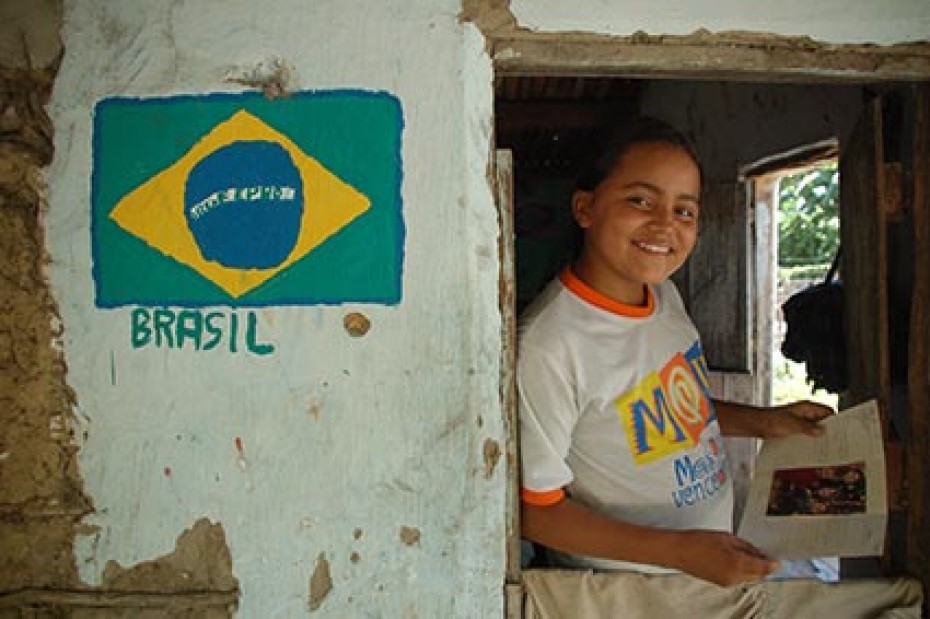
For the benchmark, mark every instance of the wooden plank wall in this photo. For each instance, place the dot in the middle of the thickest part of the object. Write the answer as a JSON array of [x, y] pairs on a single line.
[[918, 452], [862, 234], [713, 282], [864, 272]]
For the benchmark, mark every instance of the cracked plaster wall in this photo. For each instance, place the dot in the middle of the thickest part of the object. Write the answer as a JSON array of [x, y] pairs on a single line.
[[828, 21], [348, 469], [40, 490], [361, 481]]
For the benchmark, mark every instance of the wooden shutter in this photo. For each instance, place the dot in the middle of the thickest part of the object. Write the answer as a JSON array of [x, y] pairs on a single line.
[[864, 261], [918, 447], [713, 283]]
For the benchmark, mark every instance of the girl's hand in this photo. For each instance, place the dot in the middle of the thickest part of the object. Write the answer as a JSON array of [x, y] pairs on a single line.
[[722, 558], [797, 418]]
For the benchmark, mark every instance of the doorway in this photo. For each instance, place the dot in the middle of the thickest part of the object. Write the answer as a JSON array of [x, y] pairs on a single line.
[[797, 194], [730, 282], [548, 122], [701, 58]]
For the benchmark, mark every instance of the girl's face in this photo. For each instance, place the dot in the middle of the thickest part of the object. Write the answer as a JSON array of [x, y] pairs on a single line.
[[640, 222]]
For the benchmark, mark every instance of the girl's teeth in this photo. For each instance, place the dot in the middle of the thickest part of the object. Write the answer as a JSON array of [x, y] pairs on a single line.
[[657, 249]]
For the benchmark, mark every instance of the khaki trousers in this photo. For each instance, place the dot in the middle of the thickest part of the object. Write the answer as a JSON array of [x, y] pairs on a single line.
[[570, 594]]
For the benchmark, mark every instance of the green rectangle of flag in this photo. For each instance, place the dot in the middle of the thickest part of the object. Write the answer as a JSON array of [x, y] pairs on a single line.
[[239, 200]]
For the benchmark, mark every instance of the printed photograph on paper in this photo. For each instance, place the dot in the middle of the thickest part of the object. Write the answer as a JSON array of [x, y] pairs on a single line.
[[818, 491], [821, 496]]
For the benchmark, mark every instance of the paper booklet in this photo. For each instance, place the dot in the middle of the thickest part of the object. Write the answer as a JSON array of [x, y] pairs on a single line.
[[821, 497]]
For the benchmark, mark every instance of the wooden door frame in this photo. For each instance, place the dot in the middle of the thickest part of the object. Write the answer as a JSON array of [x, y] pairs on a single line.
[[732, 56], [919, 360], [750, 57]]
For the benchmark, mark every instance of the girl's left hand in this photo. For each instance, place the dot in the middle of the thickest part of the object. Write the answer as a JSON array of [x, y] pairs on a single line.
[[797, 418]]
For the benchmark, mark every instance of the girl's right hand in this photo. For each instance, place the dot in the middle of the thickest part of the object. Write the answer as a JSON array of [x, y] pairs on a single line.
[[722, 558]]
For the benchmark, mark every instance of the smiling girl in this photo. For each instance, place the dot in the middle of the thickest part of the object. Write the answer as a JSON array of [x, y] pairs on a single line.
[[623, 462]]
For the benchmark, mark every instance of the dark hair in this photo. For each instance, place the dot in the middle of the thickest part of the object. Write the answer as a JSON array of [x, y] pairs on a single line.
[[616, 142]]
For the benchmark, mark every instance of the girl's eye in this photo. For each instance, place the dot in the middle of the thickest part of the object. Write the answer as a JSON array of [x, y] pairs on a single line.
[[639, 202], [686, 212]]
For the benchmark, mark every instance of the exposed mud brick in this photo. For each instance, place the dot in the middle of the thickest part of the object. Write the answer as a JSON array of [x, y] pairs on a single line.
[[36, 552], [200, 562], [40, 492]]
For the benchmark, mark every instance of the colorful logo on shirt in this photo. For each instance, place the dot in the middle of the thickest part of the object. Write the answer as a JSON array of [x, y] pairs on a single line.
[[699, 477], [667, 411]]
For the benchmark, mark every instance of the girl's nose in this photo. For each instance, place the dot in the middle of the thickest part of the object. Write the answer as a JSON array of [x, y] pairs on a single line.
[[663, 216]]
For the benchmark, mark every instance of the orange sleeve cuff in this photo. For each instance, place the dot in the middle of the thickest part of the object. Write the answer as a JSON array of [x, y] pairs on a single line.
[[542, 499]]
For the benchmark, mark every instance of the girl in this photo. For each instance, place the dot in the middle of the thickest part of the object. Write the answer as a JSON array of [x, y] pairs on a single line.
[[623, 462]]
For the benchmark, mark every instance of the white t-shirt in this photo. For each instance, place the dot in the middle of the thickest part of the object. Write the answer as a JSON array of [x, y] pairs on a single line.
[[615, 409]]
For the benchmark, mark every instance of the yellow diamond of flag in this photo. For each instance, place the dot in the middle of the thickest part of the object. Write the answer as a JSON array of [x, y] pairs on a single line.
[[227, 221]]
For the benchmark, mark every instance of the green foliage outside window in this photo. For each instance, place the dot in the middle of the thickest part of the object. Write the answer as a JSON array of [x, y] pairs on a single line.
[[808, 222], [808, 238]]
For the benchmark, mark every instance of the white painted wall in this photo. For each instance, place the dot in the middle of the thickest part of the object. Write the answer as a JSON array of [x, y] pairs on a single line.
[[338, 434], [829, 21]]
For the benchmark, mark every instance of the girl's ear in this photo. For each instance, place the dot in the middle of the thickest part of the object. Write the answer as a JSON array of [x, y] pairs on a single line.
[[581, 207]]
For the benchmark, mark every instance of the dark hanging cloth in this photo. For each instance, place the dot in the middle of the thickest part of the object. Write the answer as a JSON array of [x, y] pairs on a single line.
[[816, 334]]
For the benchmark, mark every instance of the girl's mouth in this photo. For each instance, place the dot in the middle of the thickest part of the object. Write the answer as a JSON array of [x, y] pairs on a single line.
[[653, 248]]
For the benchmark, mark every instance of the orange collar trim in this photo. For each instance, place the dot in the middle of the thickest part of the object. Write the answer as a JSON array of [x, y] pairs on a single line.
[[602, 301]]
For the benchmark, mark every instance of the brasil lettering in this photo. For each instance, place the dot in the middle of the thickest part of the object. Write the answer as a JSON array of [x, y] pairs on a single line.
[[667, 411], [196, 329]]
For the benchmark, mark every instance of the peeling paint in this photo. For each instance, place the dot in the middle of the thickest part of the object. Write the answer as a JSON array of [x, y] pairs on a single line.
[[321, 583], [315, 408], [41, 493], [410, 536], [273, 77], [356, 324], [867, 23], [492, 454], [200, 562], [240, 458]]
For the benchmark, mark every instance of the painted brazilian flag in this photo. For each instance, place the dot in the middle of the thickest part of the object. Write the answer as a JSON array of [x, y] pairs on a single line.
[[243, 201]]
